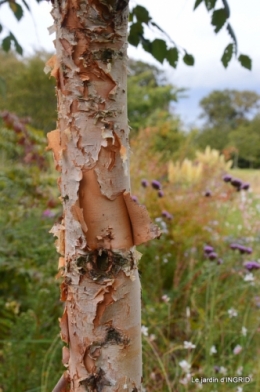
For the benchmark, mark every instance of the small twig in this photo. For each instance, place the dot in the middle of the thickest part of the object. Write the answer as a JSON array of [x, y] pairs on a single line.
[[62, 384]]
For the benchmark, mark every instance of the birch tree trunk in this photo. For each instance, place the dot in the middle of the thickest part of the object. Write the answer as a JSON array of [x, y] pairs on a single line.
[[101, 323]]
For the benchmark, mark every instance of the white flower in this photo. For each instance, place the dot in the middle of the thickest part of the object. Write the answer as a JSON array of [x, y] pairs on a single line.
[[185, 379], [244, 331], [239, 389], [125, 386], [232, 312], [165, 298], [223, 370], [213, 350], [188, 345], [237, 349], [165, 260], [152, 337], [188, 312], [185, 366], [249, 277], [144, 330], [240, 371]]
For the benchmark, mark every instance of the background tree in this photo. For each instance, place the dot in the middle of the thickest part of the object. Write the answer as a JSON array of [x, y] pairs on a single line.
[[246, 140], [27, 90], [149, 95], [224, 113]]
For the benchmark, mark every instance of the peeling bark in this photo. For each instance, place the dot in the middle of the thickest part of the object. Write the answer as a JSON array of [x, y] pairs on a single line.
[[101, 224]]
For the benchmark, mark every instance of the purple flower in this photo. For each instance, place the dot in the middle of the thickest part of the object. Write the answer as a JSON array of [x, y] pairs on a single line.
[[156, 184], [242, 249], [48, 213], [144, 183], [236, 183], [160, 194], [207, 194], [220, 261], [245, 186], [251, 265], [234, 246], [248, 250], [167, 215], [227, 178], [134, 198], [212, 255], [208, 249]]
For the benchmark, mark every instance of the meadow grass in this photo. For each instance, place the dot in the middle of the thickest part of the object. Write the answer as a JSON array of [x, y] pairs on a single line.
[[201, 311]]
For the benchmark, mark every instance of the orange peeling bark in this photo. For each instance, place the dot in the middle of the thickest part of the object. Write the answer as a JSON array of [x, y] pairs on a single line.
[[101, 224]]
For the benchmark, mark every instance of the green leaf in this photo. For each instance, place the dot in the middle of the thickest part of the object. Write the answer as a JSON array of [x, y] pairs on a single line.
[[26, 4], [172, 56], [159, 49], [147, 45], [197, 3], [18, 47], [226, 6], [130, 17], [218, 19], [141, 14], [188, 59], [6, 43], [210, 4], [17, 9], [245, 61], [227, 55], [1, 28], [136, 32]]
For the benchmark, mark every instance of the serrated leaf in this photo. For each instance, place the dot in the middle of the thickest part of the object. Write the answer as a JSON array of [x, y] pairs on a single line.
[[210, 4], [17, 9], [141, 14], [219, 18], [18, 47], [172, 57], [136, 31], [245, 61], [197, 3], [188, 59], [159, 49], [6, 43], [227, 55], [26, 5], [147, 45]]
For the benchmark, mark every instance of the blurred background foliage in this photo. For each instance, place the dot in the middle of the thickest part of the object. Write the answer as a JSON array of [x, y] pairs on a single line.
[[211, 302]]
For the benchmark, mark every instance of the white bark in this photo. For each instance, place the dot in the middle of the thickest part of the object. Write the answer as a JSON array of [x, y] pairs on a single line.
[[101, 223]]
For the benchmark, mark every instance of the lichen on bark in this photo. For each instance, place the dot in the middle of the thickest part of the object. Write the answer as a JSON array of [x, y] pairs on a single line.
[[101, 224]]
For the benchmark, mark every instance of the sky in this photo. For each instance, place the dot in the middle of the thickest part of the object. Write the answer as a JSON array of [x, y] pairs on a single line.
[[190, 30]]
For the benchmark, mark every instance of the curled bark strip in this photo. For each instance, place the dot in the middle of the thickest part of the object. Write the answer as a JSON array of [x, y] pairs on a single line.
[[143, 228], [54, 145], [62, 384]]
